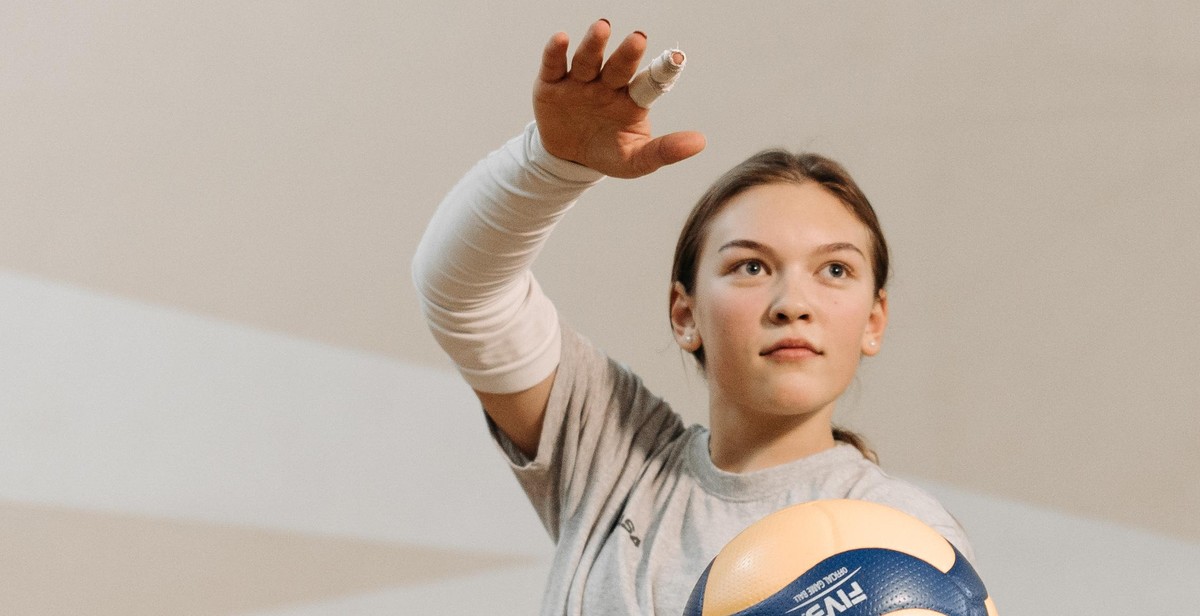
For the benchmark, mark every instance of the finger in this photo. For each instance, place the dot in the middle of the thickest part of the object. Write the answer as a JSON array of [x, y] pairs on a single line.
[[658, 78], [623, 62], [554, 59], [668, 149], [585, 64]]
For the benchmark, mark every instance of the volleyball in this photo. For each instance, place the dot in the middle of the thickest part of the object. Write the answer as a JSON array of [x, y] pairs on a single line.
[[839, 557]]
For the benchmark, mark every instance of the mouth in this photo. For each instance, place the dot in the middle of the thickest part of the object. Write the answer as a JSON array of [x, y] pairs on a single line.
[[790, 348]]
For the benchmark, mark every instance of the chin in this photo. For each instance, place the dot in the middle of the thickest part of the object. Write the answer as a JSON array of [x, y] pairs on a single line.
[[796, 405]]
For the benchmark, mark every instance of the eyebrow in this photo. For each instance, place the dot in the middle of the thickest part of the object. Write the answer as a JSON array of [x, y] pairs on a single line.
[[839, 247], [748, 244], [760, 247]]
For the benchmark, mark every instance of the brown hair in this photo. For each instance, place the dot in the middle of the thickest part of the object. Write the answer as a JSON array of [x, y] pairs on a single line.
[[777, 166]]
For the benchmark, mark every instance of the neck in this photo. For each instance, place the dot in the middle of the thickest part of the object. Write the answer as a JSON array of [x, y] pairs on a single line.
[[742, 441]]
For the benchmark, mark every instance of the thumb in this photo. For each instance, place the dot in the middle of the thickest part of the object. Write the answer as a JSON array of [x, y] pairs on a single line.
[[668, 149]]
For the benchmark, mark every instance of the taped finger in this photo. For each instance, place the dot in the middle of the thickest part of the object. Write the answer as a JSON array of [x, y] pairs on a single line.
[[658, 78]]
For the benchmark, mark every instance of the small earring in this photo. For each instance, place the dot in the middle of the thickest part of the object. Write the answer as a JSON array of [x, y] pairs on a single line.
[[872, 343], [689, 338]]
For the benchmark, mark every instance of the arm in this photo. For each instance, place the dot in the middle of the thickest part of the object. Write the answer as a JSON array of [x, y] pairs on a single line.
[[472, 267]]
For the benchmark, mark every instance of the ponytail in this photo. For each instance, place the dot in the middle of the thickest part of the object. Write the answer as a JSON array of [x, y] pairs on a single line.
[[859, 442]]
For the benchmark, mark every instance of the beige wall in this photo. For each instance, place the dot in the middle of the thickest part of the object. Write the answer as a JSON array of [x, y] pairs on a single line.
[[1034, 164]]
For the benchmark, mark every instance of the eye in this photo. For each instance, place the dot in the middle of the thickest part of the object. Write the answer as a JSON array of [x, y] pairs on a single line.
[[837, 270], [751, 267]]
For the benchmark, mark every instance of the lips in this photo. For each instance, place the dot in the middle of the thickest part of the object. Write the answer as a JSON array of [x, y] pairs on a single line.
[[790, 348]]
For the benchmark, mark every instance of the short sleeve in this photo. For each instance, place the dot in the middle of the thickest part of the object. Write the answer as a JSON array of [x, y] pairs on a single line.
[[601, 428]]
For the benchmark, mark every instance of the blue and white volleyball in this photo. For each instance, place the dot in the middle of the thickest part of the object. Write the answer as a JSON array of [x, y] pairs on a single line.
[[839, 557]]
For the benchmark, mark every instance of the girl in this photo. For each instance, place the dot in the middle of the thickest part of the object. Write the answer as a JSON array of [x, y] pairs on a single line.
[[777, 291]]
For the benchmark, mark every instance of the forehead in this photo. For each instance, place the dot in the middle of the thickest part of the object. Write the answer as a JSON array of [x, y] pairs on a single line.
[[787, 214]]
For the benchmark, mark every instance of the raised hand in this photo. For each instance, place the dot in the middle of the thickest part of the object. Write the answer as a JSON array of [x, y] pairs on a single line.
[[584, 113]]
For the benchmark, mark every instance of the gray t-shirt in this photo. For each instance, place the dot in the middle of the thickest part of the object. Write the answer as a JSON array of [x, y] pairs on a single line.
[[635, 505]]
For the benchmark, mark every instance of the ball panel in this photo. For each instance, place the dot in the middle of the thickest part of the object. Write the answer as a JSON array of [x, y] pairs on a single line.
[[868, 582], [766, 557], [772, 552], [863, 524], [849, 558]]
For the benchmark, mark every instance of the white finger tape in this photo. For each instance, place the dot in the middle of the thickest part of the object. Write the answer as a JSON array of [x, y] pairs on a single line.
[[657, 79]]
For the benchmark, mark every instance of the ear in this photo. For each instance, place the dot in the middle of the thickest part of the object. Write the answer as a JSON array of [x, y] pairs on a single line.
[[876, 322], [683, 319]]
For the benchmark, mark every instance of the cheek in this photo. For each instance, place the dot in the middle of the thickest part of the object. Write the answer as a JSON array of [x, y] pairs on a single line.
[[729, 326], [849, 317], [730, 311]]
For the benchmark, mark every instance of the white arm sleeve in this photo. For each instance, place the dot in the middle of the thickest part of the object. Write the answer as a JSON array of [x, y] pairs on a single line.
[[471, 268]]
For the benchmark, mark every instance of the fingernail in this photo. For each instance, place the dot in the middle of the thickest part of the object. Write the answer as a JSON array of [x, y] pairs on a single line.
[[606, 21], [641, 33]]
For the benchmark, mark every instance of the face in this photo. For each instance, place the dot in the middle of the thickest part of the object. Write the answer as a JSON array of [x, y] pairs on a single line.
[[783, 303]]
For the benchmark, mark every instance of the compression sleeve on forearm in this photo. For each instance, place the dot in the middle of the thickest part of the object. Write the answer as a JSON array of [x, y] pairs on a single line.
[[471, 268]]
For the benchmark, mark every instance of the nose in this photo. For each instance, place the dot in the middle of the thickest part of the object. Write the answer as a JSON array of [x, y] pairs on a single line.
[[790, 304]]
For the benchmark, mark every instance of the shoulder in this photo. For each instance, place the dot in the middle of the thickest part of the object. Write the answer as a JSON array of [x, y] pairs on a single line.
[[878, 486], [847, 474], [604, 400], [583, 367]]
